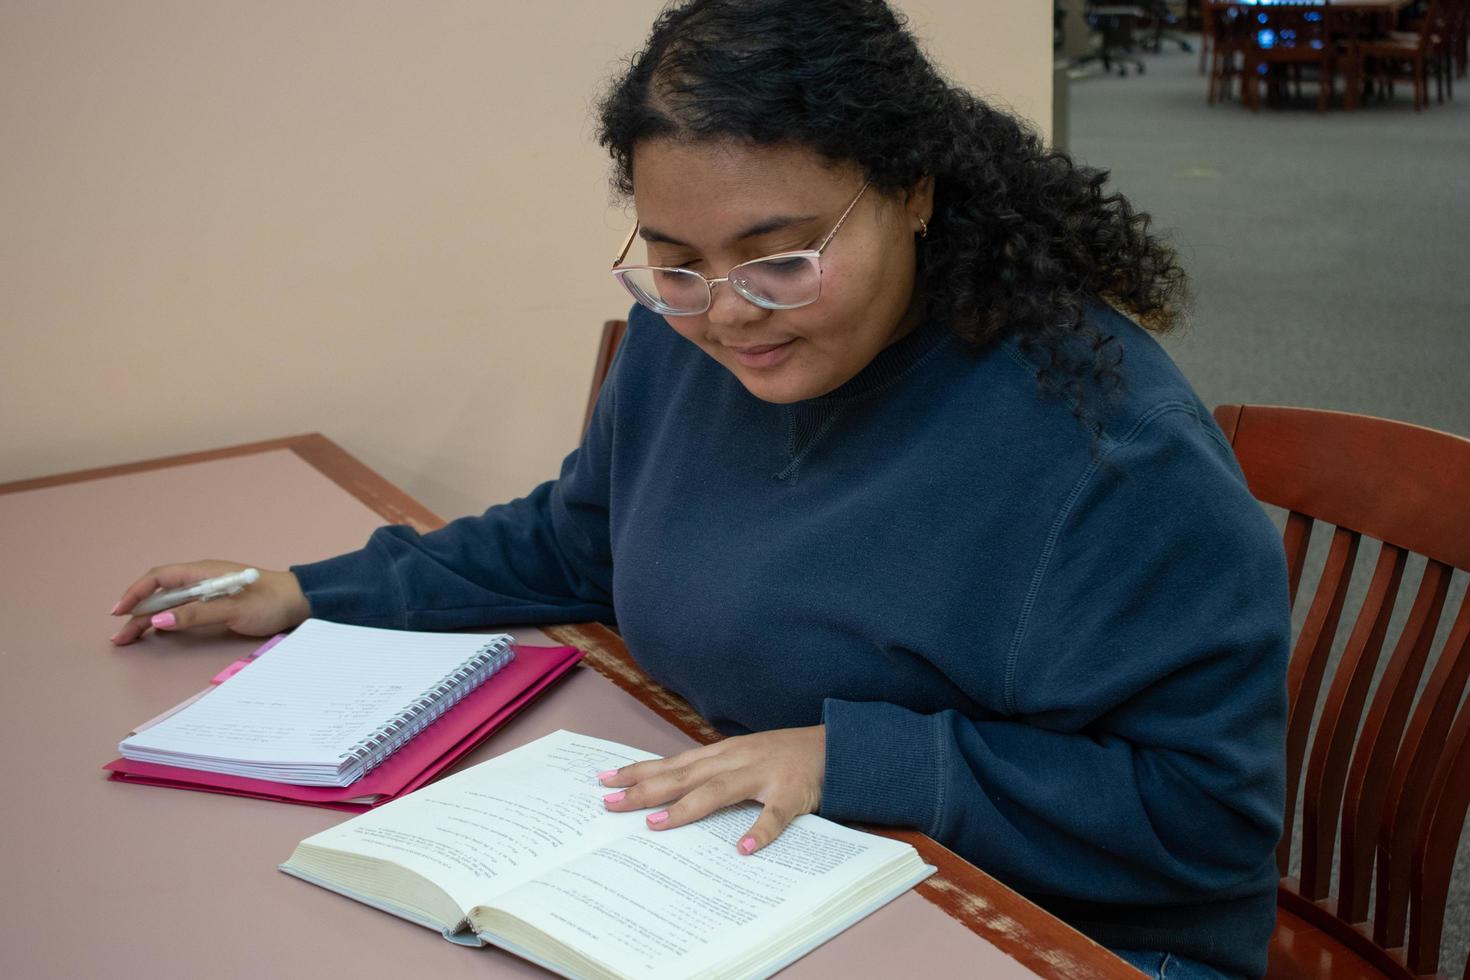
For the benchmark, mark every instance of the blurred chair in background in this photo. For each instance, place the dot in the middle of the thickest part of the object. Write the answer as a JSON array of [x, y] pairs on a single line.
[[1166, 24], [1459, 45], [1411, 55], [1115, 25], [1225, 33], [1206, 33]]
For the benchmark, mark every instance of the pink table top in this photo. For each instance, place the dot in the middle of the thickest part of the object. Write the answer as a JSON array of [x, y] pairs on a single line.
[[105, 879]]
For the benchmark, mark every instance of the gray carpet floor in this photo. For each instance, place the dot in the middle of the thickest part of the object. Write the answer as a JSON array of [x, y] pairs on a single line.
[[1329, 261]]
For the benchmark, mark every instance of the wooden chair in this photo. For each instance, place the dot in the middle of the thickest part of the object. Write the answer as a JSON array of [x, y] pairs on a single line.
[[1412, 55], [1457, 13], [1445, 22], [1396, 779], [1282, 41], [607, 349], [1228, 29], [1206, 32]]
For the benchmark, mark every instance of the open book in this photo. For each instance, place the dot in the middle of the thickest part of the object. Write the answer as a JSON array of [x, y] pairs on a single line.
[[519, 852]]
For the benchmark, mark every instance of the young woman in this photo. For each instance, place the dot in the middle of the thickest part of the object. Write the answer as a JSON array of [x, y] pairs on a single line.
[[890, 483]]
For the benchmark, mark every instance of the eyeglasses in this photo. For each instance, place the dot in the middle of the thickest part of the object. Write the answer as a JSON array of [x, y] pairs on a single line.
[[785, 281]]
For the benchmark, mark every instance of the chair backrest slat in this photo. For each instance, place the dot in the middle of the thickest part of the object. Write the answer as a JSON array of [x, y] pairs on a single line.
[[1308, 665], [1434, 856], [1338, 727], [1409, 788], [1298, 535], [1378, 744]]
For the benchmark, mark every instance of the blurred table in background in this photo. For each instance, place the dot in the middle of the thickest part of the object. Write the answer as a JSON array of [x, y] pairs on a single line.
[[1250, 29]]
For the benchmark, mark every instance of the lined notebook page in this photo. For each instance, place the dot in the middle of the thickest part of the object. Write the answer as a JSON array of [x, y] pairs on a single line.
[[312, 697]]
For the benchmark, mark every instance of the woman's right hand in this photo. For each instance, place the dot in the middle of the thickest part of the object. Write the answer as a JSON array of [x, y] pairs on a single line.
[[271, 605]]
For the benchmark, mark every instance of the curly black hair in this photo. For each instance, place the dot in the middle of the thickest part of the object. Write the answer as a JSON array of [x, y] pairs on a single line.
[[1021, 238]]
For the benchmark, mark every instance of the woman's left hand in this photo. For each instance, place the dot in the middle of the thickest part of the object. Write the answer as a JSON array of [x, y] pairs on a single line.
[[781, 769]]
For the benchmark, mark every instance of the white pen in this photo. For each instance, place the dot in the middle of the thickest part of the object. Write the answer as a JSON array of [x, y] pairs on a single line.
[[210, 588]]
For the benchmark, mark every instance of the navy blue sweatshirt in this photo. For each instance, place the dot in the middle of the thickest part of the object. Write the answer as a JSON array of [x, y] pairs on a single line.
[[1063, 657]]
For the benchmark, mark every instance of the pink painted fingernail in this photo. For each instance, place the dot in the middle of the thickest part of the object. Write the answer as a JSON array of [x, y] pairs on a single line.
[[657, 818], [747, 846], [116, 607], [606, 775], [614, 797], [113, 638], [164, 621]]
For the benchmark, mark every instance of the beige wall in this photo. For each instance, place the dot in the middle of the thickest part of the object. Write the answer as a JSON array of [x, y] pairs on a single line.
[[385, 221]]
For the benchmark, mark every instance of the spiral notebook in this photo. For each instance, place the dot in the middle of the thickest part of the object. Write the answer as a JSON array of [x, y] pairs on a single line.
[[324, 706]]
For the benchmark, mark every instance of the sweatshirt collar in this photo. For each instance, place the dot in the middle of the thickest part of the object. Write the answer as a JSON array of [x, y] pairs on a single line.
[[808, 420], [891, 363]]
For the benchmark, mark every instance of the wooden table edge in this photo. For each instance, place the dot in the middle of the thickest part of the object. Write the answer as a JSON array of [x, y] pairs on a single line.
[[328, 458], [1022, 930]]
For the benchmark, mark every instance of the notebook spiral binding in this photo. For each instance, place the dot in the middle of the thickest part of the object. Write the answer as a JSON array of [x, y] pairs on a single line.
[[427, 707]]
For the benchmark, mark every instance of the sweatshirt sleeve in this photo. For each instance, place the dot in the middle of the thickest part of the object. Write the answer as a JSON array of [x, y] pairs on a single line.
[[542, 558], [1139, 757]]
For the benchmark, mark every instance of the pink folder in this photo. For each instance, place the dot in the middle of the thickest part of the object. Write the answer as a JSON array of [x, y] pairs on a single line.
[[435, 749]]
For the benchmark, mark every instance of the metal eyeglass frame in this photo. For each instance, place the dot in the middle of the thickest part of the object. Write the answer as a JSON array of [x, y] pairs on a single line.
[[811, 254]]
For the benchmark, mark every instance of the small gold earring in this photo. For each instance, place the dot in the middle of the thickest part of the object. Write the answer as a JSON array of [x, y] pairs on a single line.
[[923, 227]]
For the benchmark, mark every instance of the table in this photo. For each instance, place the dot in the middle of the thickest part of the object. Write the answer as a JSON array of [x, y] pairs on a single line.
[[1349, 19], [109, 879]]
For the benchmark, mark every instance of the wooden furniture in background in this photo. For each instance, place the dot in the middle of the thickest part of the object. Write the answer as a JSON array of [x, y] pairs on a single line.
[[1457, 12], [1409, 54], [1227, 32], [1353, 22], [1281, 40], [1206, 32], [1253, 27], [1447, 29], [1400, 787]]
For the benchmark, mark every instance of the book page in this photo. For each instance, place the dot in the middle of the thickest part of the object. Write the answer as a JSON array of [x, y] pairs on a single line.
[[494, 825], [657, 903]]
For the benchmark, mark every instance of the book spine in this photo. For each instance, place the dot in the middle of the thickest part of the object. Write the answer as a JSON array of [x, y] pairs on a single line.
[[426, 709]]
